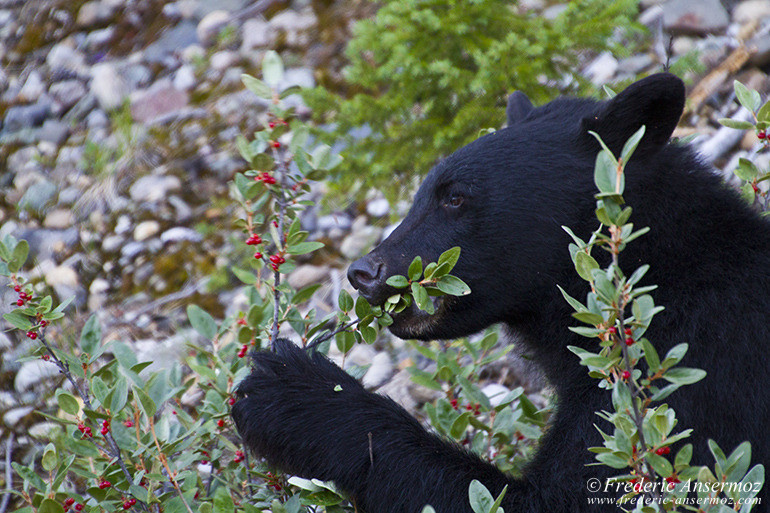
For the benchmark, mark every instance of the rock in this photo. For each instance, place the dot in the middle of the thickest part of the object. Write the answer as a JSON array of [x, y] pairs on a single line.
[[162, 50], [750, 10], [378, 207], [44, 243], [184, 78], [330, 221], [22, 162], [232, 107], [63, 276], [64, 58], [361, 240], [495, 392], [602, 69], [183, 210], [38, 196], [145, 230], [379, 372], [112, 243], [132, 250], [14, 415], [32, 373], [256, 33], [108, 86], [211, 25], [761, 47], [53, 131], [180, 234], [153, 188], [67, 93], [635, 64], [294, 25], [99, 38], [94, 13], [26, 116], [224, 59], [305, 275], [699, 18], [33, 87], [163, 354], [44, 431], [123, 225], [97, 119], [97, 294], [59, 219], [157, 101], [553, 12]]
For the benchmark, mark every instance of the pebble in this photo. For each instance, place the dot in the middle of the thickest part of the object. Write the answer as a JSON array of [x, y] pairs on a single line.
[[294, 25], [495, 392], [256, 33], [378, 207], [180, 234], [26, 116], [361, 240], [31, 373], [145, 230], [305, 275], [151, 188], [112, 243], [59, 219], [602, 69], [184, 78], [108, 86], [163, 49], [63, 57], [224, 59], [751, 10], [67, 93], [97, 294], [157, 101], [33, 87], [700, 18], [14, 415], [94, 13], [211, 25]]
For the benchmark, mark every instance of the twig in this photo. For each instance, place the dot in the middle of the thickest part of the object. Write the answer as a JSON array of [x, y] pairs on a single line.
[[323, 338], [164, 462], [8, 473], [281, 244]]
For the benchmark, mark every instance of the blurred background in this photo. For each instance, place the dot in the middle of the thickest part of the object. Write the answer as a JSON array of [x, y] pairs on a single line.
[[118, 122]]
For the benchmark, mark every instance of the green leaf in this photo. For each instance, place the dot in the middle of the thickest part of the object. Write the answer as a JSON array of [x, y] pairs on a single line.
[[345, 341], [684, 375], [764, 113], [247, 277], [660, 464], [257, 87], [50, 506], [145, 402], [746, 170], [223, 503], [584, 264], [202, 322], [304, 247], [344, 301], [397, 281], [450, 256], [18, 320], [574, 303], [67, 402], [605, 172], [421, 298], [736, 124], [630, 146], [459, 425], [91, 335], [480, 499], [749, 98], [50, 459], [119, 395], [18, 256], [415, 269], [306, 293], [453, 286], [747, 193]]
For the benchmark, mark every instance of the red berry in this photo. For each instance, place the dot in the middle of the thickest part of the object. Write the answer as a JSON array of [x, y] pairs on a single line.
[[275, 144], [127, 505], [629, 341], [104, 484], [243, 351], [20, 302], [105, 430], [221, 423], [274, 266], [453, 402], [81, 428], [672, 479], [662, 451], [69, 501], [132, 501], [45, 357], [628, 332], [128, 424], [258, 255], [612, 330], [173, 412], [231, 401], [275, 223], [275, 258], [32, 335], [271, 124], [78, 507], [242, 322], [43, 323], [253, 240], [626, 374], [23, 295], [17, 288], [239, 456], [761, 134]]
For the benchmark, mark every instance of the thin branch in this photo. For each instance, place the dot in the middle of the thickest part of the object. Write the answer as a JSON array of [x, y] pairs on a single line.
[[323, 338], [283, 170]]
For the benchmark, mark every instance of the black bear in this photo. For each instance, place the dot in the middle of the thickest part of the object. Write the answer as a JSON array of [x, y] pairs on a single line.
[[503, 199]]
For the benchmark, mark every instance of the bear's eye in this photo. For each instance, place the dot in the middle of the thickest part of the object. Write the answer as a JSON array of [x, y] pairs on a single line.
[[455, 201]]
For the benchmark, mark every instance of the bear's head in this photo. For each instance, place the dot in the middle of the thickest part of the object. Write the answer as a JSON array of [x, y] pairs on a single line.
[[503, 199]]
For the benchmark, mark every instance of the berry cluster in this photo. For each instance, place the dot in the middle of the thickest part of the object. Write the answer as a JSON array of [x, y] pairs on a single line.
[[127, 503], [276, 260], [105, 427], [266, 178], [128, 424], [242, 352], [239, 456], [69, 502], [104, 484], [470, 407], [86, 430], [254, 239]]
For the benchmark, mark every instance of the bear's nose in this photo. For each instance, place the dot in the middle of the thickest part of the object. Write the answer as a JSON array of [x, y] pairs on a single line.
[[367, 275]]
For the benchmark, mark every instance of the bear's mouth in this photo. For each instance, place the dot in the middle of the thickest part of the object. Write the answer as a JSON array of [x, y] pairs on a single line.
[[415, 323]]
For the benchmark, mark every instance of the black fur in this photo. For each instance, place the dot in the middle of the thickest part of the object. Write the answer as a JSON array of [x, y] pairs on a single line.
[[709, 254]]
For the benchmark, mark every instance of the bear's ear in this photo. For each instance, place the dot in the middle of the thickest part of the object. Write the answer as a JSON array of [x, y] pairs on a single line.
[[518, 107], [656, 102]]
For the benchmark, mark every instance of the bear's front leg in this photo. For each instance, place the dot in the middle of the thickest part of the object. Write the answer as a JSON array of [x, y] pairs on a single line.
[[308, 417]]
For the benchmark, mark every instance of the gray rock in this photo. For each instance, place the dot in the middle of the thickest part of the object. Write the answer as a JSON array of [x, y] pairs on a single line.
[[97, 294], [211, 25], [233, 107], [184, 78], [132, 250], [553, 12], [256, 33], [294, 25], [183, 210], [63, 57], [44, 431], [305, 275], [701, 17], [330, 221], [38, 196], [69, 195], [26, 116], [495, 392], [44, 243], [14, 415], [361, 240], [602, 69], [32, 373], [97, 119], [180, 234], [159, 100], [751, 10], [635, 64], [67, 93], [379, 372], [23, 161], [64, 281], [112, 243], [94, 13], [59, 219], [108, 86], [53, 131], [222, 60], [33, 87], [171, 41], [153, 188], [761, 46], [378, 207], [146, 229], [100, 38], [123, 225]]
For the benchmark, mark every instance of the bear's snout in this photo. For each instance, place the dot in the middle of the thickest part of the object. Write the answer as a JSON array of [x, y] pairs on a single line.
[[368, 275]]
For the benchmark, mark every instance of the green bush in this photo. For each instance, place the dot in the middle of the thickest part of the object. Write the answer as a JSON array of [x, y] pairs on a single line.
[[427, 75]]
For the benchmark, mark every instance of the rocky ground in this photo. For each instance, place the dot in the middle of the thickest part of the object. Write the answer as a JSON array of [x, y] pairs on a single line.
[[117, 145]]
